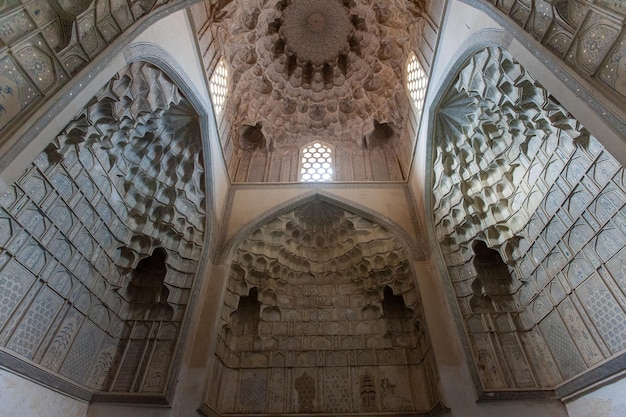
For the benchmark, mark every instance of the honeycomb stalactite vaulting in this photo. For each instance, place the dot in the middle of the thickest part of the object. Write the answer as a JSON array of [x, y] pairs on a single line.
[[338, 320], [326, 69], [104, 232], [529, 210], [322, 68]]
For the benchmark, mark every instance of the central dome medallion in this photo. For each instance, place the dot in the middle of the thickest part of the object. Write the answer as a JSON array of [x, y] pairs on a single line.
[[317, 31]]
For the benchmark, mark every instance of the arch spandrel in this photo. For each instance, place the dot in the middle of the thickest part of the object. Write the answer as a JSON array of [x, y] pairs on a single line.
[[404, 228]]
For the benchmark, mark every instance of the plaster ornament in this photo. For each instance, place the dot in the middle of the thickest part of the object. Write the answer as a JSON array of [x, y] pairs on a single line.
[[342, 62], [518, 184], [311, 293]]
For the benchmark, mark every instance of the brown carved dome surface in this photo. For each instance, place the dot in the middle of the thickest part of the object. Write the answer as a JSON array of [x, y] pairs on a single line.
[[316, 30], [304, 69]]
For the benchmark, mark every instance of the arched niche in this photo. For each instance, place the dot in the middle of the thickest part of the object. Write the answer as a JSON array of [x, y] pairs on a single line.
[[521, 213], [104, 234], [322, 276]]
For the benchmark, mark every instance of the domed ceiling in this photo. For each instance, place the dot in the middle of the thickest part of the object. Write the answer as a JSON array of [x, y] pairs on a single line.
[[303, 70]]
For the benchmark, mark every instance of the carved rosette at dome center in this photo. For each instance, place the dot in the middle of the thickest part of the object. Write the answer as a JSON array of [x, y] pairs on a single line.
[[318, 68], [315, 32]]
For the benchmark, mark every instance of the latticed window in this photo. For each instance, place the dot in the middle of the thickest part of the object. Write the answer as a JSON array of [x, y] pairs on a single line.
[[316, 162], [218, 84], [416, 83]]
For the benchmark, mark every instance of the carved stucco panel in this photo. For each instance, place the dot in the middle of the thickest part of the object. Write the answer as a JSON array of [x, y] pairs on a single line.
[[311, 295], [588, 35], [44, 43]]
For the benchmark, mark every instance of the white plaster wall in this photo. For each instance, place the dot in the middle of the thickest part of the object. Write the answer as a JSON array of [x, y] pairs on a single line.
[[606, 401], [24, 398]]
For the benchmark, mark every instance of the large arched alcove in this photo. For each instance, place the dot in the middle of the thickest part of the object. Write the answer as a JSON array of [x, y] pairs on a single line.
[[322, 314], [102, 239], [529, 211]]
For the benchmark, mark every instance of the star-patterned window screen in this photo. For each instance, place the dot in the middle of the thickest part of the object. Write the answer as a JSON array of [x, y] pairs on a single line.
[[218, 84], [416, 83], [316, 162]]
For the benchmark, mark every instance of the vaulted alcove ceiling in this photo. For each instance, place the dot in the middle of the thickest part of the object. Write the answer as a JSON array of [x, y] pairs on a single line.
[[305, 69], [322, 307]]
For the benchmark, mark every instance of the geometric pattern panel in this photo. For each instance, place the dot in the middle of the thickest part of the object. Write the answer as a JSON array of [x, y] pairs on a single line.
[[513, 169], [43, 44], [587, 35], [416, 83], [123, 181], [218, 85], [316, 163]]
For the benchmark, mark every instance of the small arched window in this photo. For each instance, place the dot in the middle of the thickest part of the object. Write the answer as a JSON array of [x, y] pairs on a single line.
[[416, 82], [218, 85], [316, 162]]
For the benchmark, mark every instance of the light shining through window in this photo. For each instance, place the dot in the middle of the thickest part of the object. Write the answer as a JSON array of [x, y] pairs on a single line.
[[316, 163], [218, 84], [416, 83]]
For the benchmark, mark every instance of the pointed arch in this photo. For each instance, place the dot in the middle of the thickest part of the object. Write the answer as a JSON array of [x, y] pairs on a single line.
[[514, 184], [327, 272], [415, 249]]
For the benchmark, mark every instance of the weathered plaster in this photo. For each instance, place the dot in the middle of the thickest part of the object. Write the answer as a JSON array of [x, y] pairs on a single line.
[[605, 401], [22, 397]]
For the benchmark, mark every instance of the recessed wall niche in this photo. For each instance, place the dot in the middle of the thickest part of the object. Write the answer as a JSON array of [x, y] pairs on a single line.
[[337, 316], [529, 211], [101, 239]]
